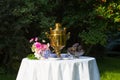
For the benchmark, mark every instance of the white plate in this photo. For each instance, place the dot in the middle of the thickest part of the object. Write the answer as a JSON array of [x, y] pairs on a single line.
[[54, 58], [66, 58]]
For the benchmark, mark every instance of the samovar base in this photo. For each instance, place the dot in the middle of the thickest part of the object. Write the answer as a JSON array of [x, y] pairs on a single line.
[[58, 53]]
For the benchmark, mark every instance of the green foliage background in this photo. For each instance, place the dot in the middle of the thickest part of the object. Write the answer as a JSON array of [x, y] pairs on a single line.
[[89, 21]]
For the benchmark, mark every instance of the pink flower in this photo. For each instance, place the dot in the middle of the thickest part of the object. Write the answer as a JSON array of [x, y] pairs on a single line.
[[31, 40], [37, 45], [44, 47], [38, 48], [36, 38]]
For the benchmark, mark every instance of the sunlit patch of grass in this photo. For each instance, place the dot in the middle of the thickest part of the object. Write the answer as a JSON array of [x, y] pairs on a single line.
[[110, 76]]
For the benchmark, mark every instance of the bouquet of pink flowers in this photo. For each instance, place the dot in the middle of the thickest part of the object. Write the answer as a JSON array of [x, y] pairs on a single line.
[[38, 48]]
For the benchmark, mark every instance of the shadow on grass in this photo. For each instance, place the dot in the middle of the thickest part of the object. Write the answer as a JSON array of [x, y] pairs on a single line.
[[7, 76], [109, 65]]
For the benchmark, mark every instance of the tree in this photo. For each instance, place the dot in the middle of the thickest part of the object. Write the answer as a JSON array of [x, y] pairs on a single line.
[[94, 21]]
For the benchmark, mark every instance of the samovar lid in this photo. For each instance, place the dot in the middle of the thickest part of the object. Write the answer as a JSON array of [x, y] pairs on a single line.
[[58, 29]]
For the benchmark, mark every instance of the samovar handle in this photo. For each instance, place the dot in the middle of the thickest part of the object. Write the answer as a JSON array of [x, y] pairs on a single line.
[[68, 35]]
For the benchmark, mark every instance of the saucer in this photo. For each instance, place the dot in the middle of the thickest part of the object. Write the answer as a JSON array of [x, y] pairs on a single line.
[[54, 58], [66, 58]]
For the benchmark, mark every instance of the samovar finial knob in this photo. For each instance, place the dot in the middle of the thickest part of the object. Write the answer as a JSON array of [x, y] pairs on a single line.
[[57, 26]]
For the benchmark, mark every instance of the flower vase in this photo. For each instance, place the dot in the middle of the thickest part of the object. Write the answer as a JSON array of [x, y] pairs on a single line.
[[46, 54]]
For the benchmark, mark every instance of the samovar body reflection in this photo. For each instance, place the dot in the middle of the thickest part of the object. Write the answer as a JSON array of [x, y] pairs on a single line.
[[58, 38]]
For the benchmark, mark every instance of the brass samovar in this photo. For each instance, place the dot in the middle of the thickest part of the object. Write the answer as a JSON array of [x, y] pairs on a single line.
[[58, 38]]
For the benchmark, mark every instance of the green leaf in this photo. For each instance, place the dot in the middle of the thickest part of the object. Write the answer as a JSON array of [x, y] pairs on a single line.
[[32, 56]]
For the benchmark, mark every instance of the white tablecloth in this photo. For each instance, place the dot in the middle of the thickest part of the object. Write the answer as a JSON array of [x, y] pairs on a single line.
[[84, 68]]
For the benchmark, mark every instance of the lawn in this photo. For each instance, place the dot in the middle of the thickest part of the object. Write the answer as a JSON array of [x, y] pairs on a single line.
[[7, 77], [109, 69]]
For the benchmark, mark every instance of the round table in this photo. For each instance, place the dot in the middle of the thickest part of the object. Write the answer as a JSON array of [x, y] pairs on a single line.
[[84, 68]]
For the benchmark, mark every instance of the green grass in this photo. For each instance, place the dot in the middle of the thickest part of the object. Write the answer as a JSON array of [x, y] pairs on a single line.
[[7, 77], [109, 69]]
